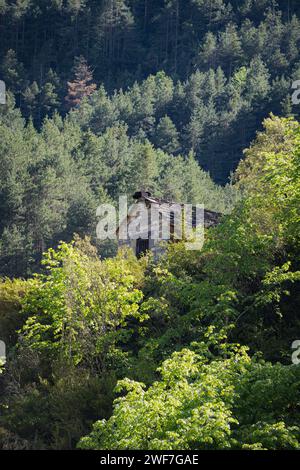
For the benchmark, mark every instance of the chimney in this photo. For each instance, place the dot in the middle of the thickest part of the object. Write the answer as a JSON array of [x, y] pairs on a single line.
[[141, 195]]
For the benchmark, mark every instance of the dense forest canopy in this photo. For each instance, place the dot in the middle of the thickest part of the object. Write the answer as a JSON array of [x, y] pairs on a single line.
[[228, 65], [113, 95], [191, 100], [53, 179], [167, 333]]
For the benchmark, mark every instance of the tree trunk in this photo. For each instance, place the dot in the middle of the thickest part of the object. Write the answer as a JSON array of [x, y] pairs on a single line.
[[176, 35]]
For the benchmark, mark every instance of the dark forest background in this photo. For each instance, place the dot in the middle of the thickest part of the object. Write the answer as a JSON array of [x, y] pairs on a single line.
[[191, 351], [228, 65]]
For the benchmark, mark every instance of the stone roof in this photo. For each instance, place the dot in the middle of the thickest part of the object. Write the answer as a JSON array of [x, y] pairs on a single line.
[[211, 218]]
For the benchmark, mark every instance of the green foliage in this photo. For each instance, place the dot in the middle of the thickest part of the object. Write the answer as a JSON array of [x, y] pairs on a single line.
[[167, 137], [125, 41], [165, 330], [182, 88], [205, 404], [75, 322], [53, 180], [75, 314], [217, 71], [11, 318]]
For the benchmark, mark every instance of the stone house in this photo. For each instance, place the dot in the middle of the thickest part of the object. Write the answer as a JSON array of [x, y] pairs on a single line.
[[162, 221]]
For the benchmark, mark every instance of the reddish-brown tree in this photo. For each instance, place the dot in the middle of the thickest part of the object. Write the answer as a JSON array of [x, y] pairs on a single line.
[[82, 85]]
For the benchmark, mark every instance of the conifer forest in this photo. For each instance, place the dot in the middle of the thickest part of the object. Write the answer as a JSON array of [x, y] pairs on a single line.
[[106, 346]]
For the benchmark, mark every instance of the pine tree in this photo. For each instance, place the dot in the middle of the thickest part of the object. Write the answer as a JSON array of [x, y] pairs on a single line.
[[208, 52], [251, 39], [287, 107], [166, 135], [195, 128], [258, 80], [49, 98], [31, 100], [13, 73], [82, 85], [215, 12], [3, 7], [146, 169], [19, 8], [230, 47], [115, 20], [292, 39], [278, 61]]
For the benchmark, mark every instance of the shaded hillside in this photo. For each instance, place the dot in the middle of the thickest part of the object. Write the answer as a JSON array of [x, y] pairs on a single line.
[[249, 49]]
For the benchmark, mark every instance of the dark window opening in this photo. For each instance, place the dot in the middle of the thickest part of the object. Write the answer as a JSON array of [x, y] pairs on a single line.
[[142, 246], [194, 217], [172, 226]]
